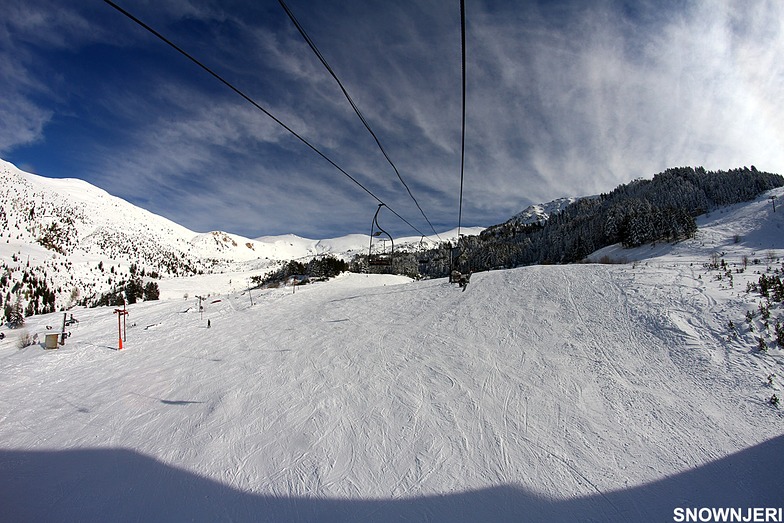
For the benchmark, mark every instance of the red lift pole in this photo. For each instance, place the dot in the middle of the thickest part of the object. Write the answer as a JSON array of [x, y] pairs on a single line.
[[121, 328]]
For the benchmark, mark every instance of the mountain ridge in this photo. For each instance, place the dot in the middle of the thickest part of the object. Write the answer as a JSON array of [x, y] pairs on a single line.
[[78, 239], [76, 242]]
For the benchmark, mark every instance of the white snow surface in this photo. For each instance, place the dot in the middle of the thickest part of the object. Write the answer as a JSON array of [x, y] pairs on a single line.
[[545, 393]]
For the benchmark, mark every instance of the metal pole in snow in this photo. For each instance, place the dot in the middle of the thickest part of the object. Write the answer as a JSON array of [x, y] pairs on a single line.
[[62, 332], [119, 332]]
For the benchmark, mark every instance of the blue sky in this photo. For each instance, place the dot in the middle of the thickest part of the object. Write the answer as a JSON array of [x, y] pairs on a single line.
[[564, 98]]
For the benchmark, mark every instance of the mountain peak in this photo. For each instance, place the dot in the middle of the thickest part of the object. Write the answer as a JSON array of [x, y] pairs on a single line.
[[541, 212]]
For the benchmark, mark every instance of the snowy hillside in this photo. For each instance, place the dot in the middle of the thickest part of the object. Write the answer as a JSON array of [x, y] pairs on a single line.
[[76, 241], [597, 392], [751, 229], [541, 212]]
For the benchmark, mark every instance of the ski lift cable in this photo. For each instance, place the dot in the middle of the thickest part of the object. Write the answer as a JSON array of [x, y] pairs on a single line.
[[452, 258], [462, 144], [315, 49], [257, 106]]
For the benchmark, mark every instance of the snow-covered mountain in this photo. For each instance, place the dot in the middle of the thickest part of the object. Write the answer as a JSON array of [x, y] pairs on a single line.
[[79, 240], [73, 217], [541, 212], [292, 247], [609, 392]]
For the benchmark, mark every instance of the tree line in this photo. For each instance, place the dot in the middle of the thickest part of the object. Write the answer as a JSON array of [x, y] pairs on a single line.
[[642, 211], [314, 270]]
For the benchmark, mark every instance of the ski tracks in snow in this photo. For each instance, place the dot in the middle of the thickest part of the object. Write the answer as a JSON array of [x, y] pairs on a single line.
[[567, 381]]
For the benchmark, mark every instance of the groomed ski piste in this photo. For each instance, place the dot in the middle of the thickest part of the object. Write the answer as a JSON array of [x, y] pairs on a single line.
[[595, 392]]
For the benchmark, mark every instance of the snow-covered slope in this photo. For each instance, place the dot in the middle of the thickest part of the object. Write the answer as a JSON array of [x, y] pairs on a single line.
[[82, 241], [541, 212], [750, 229], [90, 218], [546, 393], [91, 221]]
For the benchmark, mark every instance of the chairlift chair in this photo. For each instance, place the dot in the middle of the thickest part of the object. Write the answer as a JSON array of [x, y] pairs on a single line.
[[423, 260], [383, 259]]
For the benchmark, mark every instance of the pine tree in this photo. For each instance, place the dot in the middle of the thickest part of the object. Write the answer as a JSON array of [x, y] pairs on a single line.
[[134, 290], [151, 291], [15, 314]]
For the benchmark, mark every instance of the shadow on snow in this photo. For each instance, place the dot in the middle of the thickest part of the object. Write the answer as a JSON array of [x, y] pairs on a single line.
[[123, 485]]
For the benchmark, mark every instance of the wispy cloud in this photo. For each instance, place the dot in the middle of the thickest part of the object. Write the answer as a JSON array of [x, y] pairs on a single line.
[[603, 100], [564, 99]]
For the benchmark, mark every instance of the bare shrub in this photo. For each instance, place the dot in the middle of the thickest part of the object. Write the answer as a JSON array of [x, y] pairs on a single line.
[[25, 339]]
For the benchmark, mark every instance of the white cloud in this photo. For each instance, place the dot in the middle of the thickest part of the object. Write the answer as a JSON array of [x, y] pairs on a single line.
[[22, 122], [588, 110], [563, 100]]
